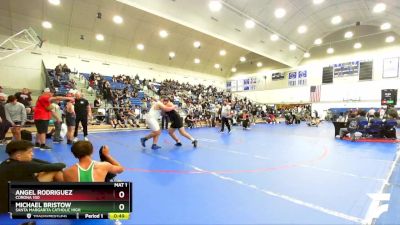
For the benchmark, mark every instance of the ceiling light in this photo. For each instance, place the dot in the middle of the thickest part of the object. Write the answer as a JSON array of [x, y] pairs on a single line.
[[280, 12], [259, 64], [274, 37], [222, 52], [250, 24], [357, 45], [118, 19], [386, 26], [380, 7], [197, 60], [99, 37], [242, 59], [316, 2], [163, 33], [215, 6], [302, 29], [318, 41], [196, 44], [140, 47], [306, 55], [54, 2], [348, 34], [330, 50], [336, 20], [217, 66], [389, 39], [233, 70], [47, 24], [171, 54], [292, 47]]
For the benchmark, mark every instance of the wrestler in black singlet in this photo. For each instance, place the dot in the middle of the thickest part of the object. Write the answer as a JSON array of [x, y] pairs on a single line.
[[175, 119]]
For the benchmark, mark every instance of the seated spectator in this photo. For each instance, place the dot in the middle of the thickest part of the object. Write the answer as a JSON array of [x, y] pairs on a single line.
[[189, 121], [341, 118], [88, 170], [65, 69], [289, 118], [21, 166], [362, 122], [96, 104], [121, 119], [56, 82], [16, 116], [131, 118], [389, 126], [351, 127], [271, 119], [375, 125], [246, 120], [314, 122]]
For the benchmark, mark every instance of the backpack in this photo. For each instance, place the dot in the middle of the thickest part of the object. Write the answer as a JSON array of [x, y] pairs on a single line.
[[26, 135]]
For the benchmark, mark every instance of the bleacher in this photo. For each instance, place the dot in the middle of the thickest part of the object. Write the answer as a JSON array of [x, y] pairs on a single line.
[[65, 85], [120, 86]]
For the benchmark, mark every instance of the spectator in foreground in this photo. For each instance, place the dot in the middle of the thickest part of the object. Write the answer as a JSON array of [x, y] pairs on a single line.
[[21, 166], [88, 170]]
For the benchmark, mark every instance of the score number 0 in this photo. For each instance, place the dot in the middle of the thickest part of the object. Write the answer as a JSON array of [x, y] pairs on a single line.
[[120, 195]]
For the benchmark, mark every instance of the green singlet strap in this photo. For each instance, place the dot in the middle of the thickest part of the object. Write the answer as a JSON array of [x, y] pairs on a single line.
[[85, 175]]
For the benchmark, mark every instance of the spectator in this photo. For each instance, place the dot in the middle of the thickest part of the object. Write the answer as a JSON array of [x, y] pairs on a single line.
[[21, 166], [16, 116], [3, 97], [351, 127], [25, 98], [57, 119], [189, 121], [390, 124], [4, 124], [88, 170]]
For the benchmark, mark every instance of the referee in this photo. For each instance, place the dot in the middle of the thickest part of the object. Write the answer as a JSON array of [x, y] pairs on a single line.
[[225, 115], [83, 112]]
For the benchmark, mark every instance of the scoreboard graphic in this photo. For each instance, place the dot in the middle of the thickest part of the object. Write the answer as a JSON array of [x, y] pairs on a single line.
[[70, 200], [389, 97]]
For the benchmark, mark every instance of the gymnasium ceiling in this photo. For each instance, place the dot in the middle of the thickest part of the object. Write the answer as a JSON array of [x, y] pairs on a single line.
[[187, 21]]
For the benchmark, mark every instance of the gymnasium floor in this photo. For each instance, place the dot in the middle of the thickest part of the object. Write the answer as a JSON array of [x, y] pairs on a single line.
[[272, 174]]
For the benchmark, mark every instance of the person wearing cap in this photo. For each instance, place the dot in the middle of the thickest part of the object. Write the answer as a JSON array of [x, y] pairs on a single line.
[[21, 166], [42, 115]]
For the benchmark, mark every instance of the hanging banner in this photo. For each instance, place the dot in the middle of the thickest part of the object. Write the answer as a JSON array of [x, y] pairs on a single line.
[[302, 78], [346, 69], [292, 79]]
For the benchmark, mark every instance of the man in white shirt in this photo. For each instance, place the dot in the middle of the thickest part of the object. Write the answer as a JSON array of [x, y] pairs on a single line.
[[371, 113], [225, 115]]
